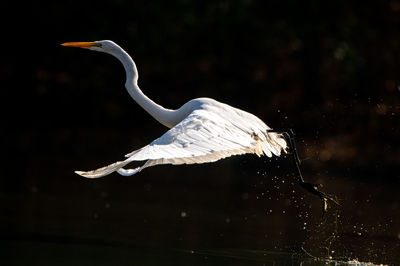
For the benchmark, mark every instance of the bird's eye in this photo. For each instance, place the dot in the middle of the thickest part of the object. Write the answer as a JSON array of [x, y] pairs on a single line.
[[96, 44]]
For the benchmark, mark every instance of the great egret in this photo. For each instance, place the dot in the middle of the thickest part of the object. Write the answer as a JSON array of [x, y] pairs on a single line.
[[202, 130]]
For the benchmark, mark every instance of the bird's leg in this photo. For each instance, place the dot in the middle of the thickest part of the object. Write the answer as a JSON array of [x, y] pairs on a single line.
[[310, 187]]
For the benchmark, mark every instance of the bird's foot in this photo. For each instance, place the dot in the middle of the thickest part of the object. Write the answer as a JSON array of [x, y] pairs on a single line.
[[288, 134], [313, 188]]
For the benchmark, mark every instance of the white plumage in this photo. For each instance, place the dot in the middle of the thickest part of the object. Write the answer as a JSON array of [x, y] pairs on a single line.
[[212, 131], [202, 130]]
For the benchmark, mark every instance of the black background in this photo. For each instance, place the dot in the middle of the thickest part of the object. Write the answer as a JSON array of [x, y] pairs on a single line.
[[328, 70]]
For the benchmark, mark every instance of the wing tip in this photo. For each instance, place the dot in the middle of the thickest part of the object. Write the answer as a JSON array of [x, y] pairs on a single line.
[[86, 174], [82, 173]]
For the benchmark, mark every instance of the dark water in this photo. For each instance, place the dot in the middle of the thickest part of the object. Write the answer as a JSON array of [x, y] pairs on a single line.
[[232, 215], [25, 252]]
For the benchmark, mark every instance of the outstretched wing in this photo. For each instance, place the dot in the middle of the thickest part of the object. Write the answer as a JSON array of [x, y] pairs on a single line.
[[205, 135]]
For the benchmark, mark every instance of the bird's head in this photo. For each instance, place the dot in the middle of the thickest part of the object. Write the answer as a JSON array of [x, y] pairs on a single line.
[[100, 46]]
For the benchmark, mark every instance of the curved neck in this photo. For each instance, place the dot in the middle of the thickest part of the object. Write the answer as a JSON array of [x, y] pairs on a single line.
[[167, 117]]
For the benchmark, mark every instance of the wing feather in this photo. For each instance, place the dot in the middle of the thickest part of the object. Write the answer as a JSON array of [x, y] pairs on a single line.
[[205, 135]]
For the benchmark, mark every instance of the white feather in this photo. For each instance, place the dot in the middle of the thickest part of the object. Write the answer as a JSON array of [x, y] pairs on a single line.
[[212, 131]]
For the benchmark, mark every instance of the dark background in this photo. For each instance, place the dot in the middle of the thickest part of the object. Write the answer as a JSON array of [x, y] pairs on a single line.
[[328, 70]]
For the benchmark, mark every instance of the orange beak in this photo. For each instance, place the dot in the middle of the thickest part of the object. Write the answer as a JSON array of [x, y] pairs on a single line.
[[80, 44]]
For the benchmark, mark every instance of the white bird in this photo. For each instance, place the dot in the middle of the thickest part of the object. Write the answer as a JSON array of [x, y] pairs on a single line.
[[202, 130]]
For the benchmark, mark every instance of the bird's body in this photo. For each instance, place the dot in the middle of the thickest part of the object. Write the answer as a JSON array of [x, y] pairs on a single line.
[[202, 130]]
